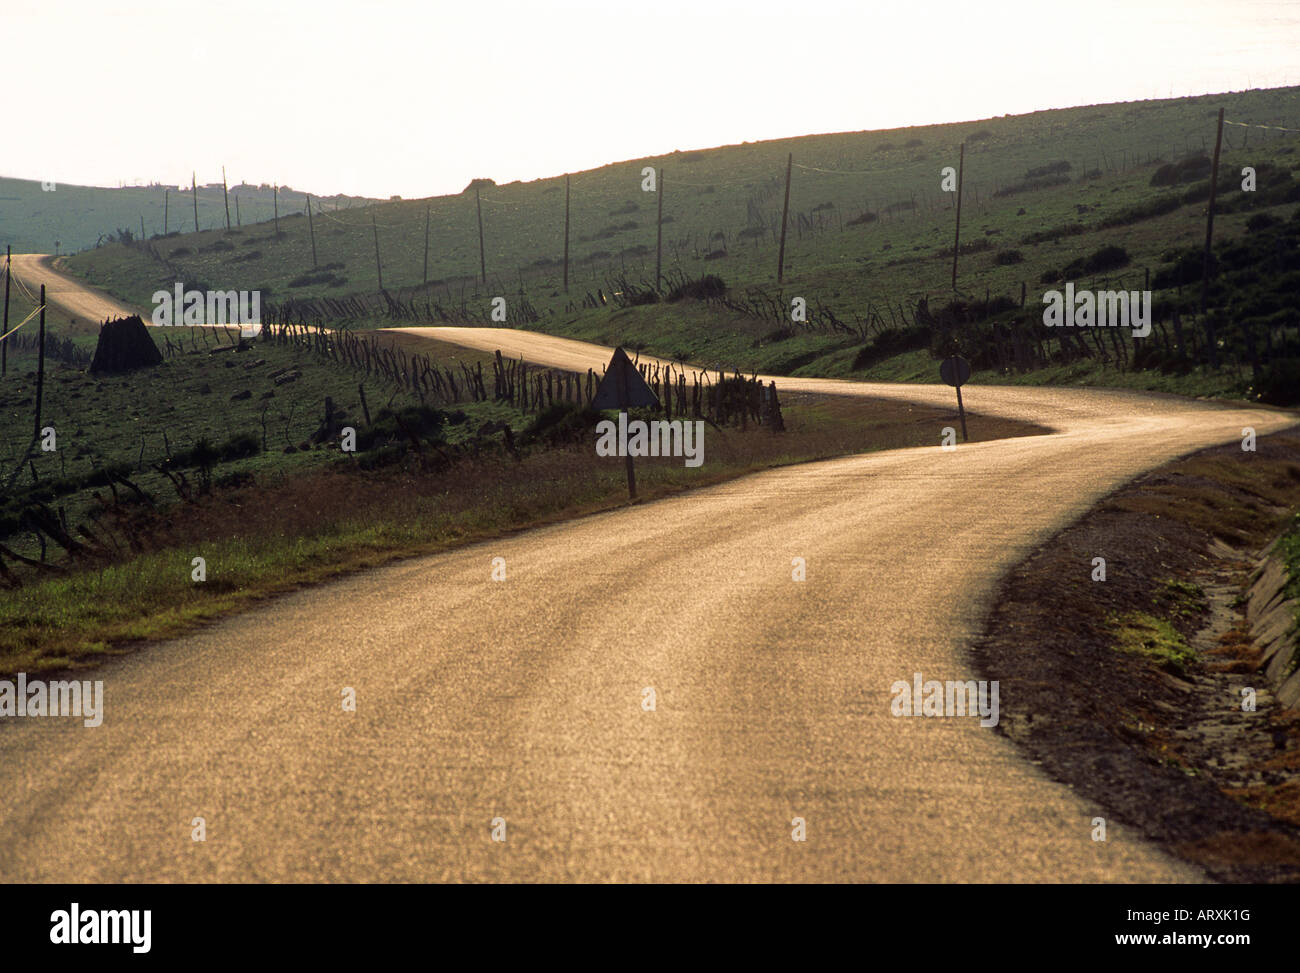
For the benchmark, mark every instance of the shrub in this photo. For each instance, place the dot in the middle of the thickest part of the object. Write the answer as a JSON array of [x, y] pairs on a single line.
[[706, 287], [1097, 262], [561, 423], [395, 428], [1051, 169], [1110, 257], [1188, 170], [1004, 258], [1030, 185], [891, 342], [1158, 206], [319, 277], [1054, 234], [1261, 221], [1279, 382]]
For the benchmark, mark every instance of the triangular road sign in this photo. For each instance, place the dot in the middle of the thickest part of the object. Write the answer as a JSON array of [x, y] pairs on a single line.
[[623, 387]]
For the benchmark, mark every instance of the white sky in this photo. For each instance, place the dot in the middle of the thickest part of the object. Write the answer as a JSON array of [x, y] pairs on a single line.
[[417, 98]]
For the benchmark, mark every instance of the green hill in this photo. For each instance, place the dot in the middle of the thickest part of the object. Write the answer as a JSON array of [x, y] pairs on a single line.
[[870, 238], [37, 217]]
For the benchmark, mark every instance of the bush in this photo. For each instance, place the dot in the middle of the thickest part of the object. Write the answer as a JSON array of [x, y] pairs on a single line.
[[561, 423], [1004, 258], [395, 428], [1188, 170], [1054, 234], [1143, 211], [891, 342], [1098, 262], [319, 277], [1261, 221], [1188, 267], [1030, 185], [706, 287], [205, 455], [1051, 169], [1279, 382]]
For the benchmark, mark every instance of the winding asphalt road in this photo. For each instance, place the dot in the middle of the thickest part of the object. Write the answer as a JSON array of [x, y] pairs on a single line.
[[522, 699]]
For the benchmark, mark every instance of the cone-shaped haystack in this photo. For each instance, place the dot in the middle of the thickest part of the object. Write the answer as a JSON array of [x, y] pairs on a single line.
[[124, 345]]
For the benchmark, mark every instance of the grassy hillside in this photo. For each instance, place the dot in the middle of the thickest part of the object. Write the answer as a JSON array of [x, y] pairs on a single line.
[[66, 218], [870, 236]]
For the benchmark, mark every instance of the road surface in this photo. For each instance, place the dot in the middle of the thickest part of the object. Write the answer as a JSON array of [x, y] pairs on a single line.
[[521, 701], [79, 300]]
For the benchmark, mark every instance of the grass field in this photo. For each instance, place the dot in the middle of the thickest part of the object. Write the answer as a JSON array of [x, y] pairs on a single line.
[[275, 521], [136, 421]]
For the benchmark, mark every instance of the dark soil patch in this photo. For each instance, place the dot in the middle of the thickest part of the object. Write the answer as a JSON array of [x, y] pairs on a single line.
[[1154, 742]]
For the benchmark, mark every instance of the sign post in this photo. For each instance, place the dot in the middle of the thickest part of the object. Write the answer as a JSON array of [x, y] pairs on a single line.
[[955, 371], [623, 388]]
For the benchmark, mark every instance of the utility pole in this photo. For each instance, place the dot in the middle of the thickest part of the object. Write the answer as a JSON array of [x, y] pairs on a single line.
[[426, 245], [566, 233], [275, 205], [956, 240], [166, 202], [1209, 239], [226, 197], [785, 218], [659, 231], [379, 267], [482, 259], [40, 367], [311, 228], [4, 345], [194, 191]]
